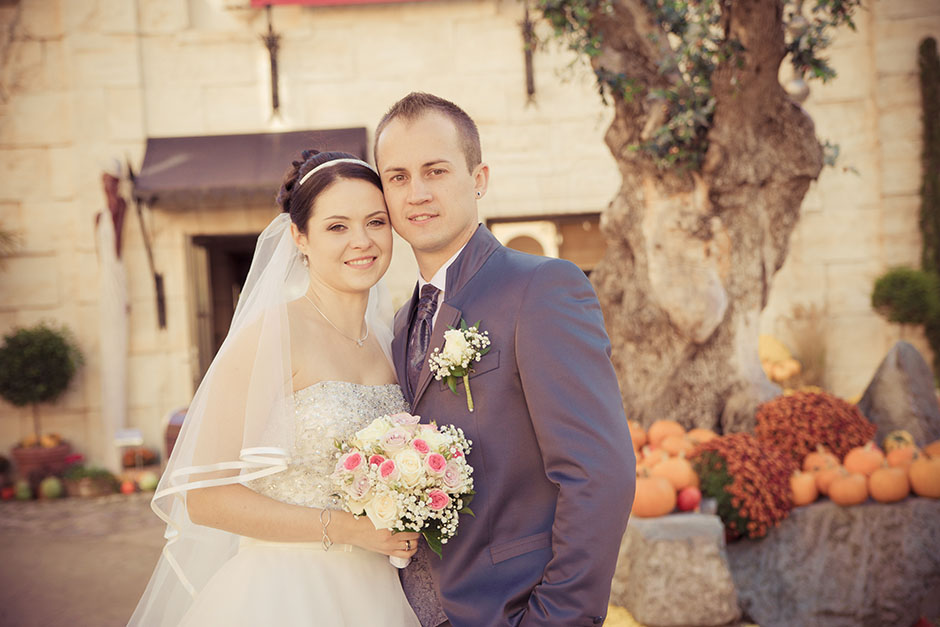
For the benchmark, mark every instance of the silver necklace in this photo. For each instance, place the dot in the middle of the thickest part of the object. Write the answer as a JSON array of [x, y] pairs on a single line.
[[352, 339]]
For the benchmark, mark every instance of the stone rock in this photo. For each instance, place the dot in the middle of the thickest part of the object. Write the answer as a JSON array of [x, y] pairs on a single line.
[[901, 396], [869, 565], [673, 570]]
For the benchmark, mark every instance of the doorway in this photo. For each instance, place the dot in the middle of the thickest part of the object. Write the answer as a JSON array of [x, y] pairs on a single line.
[[220, 265]]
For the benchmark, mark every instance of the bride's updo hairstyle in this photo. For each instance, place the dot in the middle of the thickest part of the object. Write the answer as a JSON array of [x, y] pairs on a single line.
[[297, 200]]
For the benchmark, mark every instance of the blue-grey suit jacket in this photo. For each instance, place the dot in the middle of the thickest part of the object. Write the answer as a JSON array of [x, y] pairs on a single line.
[[554, 469]]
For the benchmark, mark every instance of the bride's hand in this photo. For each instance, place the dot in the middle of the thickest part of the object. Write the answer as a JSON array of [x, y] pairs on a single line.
[[402, 544]]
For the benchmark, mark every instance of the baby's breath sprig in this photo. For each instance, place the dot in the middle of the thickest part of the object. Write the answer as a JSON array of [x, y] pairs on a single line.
[[462, 348]]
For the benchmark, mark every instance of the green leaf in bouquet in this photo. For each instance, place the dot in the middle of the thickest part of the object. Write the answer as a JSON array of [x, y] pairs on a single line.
[[452, 384], [433, 537]]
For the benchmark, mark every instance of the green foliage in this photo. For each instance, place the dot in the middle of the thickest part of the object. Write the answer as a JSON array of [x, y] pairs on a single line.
[[699, 45], [37, 364], [80, 471], [929, 63], [907, 296], [715, 481]]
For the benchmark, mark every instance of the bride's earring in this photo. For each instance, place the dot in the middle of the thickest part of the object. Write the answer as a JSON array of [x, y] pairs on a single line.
[[303, 259]]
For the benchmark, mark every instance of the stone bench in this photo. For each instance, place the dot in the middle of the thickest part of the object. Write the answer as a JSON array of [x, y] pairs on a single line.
[[673, 571]]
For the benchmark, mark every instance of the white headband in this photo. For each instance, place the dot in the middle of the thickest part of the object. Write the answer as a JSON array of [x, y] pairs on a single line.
[[333, 162]]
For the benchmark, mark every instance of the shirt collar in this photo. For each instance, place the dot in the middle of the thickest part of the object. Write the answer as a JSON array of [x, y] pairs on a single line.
[[439, 280]]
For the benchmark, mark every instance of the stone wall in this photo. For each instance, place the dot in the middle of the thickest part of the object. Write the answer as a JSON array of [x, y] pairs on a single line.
[[860, 217], [84, 81]]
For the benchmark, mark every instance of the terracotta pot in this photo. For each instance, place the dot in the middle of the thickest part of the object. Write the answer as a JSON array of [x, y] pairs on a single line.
[[40, 461]]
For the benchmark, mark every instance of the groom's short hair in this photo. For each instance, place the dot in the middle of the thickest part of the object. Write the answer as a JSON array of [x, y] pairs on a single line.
[[417, 103]]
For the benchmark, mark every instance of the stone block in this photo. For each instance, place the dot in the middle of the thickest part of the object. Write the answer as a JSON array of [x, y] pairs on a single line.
[[105, 61], [236, 108], [849, 286], [896, 42], [840, 233], [37, 119], [125, 113], [829, 566], [673, 570], [853, 81], [901, 396], [897, 90], [61, 178], [175, 111], [29, 282], [45, 227], [900, 231], [854, 345], [41, 20], [163, 16]]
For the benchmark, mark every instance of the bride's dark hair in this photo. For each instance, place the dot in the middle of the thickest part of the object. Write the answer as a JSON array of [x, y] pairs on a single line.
[[298, 202]]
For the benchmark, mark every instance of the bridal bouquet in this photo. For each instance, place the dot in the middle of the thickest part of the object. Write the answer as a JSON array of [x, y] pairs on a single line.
[[406, 476]]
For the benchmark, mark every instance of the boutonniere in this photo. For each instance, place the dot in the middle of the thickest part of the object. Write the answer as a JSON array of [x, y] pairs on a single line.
[[462, 348]]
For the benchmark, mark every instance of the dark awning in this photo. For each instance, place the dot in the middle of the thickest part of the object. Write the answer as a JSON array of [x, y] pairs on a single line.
[[226, 169]]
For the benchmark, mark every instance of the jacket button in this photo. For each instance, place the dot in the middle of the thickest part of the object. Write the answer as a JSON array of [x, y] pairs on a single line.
[[598, 620]]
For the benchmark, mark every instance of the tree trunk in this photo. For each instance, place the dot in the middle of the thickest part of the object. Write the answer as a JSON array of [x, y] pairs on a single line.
[[691, 258]]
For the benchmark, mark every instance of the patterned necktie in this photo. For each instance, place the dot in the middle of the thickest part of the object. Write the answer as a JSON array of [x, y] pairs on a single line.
[[420, 336]]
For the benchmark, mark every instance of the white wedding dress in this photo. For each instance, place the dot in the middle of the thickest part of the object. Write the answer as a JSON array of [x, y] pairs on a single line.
[[300, 584]]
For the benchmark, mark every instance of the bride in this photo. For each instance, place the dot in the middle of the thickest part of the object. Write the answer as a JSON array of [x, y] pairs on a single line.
[[254, 536]]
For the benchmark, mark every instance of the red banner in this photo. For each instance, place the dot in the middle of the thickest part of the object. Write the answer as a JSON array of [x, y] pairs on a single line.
[[329, 3]]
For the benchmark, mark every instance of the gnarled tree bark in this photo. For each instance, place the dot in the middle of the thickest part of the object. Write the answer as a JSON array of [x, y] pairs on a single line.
[[691, 258]]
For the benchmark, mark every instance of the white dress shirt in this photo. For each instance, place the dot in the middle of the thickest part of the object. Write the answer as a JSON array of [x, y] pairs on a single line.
[[439, 280]]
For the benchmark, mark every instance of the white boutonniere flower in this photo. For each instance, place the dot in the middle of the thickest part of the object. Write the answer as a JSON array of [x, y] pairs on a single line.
[[462, 348]]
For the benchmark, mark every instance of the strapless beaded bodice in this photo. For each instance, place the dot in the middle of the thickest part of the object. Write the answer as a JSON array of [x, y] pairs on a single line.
[[325, 412]]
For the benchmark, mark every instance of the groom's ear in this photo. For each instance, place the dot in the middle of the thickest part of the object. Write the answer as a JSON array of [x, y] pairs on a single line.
[[481, 179]]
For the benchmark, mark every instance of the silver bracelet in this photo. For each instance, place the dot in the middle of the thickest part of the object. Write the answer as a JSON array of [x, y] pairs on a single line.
[[327, 543]]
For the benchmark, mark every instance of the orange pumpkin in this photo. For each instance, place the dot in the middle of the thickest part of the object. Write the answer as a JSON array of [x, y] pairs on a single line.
[[677, 470], [819, 459], [652, 456], [661, 429], [699, 435], [899, 438], [803, 490], [901, 457], [825, 476], [924, 475], [677, 444], [933, 449], [654, 496], [864, 459], [888, 485], [637, 434], [849, 488]]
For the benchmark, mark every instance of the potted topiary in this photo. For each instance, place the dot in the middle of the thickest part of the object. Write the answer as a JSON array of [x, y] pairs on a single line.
[[36, 366]]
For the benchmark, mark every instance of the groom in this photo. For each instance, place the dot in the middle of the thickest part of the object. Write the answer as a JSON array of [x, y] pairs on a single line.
[[554, 470]]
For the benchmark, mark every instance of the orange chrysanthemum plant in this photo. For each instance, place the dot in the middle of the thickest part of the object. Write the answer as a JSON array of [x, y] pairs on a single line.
[[749, 480], [797, 424]]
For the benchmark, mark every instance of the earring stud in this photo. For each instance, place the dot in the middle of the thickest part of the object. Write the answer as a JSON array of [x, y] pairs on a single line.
[[479, 194]]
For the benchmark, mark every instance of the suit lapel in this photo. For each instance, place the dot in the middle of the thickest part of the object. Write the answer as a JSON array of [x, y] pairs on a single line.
[[447, 317], [400, 342]]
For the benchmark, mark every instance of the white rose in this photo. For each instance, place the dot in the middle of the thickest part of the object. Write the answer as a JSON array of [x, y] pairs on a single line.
[[409, 465], [373, 433], [455, 345], [433, 437], [382, 511]]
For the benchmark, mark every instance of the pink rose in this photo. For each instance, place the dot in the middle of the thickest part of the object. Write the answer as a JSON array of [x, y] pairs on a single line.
[[396, 438], [436, 463], [376, 460], [453, 478], [404, 418], [421, 446], [351, 461], [359, 488], [439, 499], [388, 470]]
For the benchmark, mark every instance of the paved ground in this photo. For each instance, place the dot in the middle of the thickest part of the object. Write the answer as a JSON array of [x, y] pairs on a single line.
[[76, 562]]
